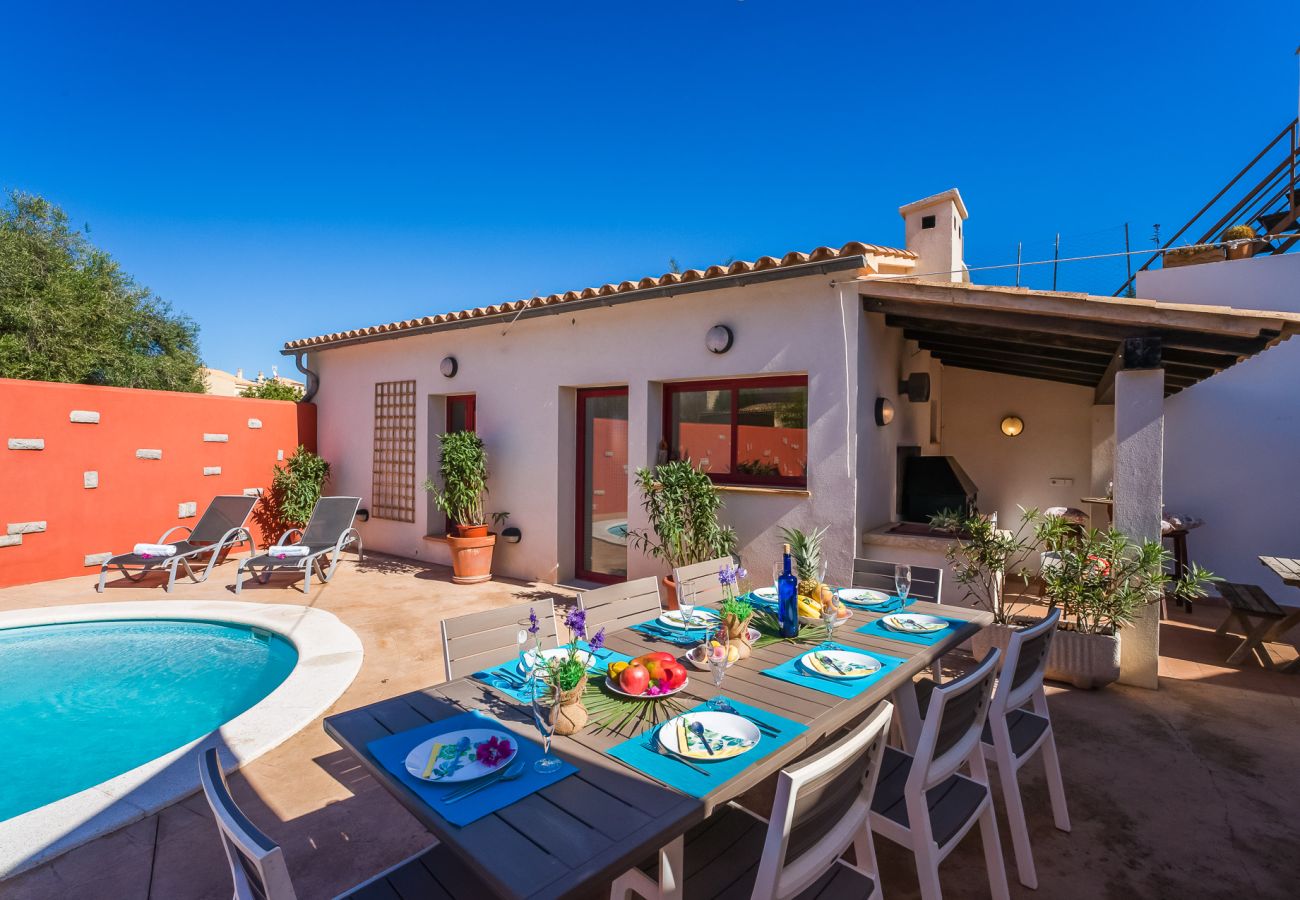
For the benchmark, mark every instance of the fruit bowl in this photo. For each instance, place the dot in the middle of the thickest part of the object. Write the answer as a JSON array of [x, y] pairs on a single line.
[[695, 656]]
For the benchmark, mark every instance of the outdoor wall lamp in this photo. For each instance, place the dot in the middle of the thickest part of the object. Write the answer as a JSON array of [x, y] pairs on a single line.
[[363, 515], [916, 387], [719, 339], [511, 535], [1012, 426], [448, 366], [884, 411]]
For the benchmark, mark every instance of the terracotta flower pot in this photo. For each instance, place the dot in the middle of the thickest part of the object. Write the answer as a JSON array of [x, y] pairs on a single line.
[[471, 531], [670, 592], [568, 714], [738, 634], [1241, 251], [471, 558]]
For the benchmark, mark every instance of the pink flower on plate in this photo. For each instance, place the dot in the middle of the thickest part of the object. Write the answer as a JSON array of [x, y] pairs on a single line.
[[493, 751]]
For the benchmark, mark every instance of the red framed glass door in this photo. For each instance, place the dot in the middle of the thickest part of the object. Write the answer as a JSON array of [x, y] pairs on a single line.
[[602, 479]]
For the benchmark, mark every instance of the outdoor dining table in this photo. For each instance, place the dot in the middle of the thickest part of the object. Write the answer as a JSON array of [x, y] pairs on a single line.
[[573, 837]]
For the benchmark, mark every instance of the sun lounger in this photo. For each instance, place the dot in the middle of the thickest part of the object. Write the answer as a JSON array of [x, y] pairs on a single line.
[[329, 531], [222, 527]]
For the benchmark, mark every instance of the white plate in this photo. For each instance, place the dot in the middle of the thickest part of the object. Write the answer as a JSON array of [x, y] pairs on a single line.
[[862, 595], [612, 684], [718, 722], [700, 618], [418, 758], [767, 593], [914, 623], [530, 660], [844, 657]]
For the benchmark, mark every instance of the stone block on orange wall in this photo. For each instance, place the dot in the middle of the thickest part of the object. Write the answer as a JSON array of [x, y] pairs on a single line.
[[90, 479], [254, 423], [25, 527], [212, 470], [187, 510], [27, 443], [97, 559], [10, 540], [148, 454], [216, 438], [83, 417]]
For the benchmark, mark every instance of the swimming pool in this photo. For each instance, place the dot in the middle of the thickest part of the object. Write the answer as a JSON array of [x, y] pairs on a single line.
[[82, 702]]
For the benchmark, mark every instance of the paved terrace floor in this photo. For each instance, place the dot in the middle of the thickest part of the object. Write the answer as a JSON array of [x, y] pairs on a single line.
[[1191, 791]]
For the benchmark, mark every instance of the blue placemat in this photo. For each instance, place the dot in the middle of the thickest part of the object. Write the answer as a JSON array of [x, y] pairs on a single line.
[[875, 629], [391, 753], [508, 679], [790, 671], [674, 773], [681, 637]]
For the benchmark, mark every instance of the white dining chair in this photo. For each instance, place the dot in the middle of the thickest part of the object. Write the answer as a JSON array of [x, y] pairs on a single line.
[[259, 871], [621, 605], [1014, 734], [923, 801], [821, 808], [478, 641], [702, 578]]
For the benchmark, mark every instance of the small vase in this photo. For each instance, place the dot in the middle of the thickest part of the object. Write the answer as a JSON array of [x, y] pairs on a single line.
[[738, 634], [568, 715]]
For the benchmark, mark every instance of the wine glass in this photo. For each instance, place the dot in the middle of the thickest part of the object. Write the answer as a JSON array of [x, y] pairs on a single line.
[[902, 582], [686, 604], [545, 725], [717, 658], [830, 618]]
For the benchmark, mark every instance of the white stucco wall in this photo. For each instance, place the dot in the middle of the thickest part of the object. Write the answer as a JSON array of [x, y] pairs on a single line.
[[1232, 443], [524, 381], [1011, 472]]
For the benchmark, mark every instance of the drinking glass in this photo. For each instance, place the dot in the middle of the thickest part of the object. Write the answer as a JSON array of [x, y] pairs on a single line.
[[686, 604], [717, 659], [505, 680], [542, 718], [830, 618], [902, 581]]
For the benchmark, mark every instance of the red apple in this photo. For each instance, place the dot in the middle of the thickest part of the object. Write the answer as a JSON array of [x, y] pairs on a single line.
[[634, 679], [675, 673], [651, 657]]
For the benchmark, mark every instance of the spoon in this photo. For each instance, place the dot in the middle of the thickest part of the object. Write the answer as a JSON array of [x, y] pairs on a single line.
[[516, 769], [697, 729]]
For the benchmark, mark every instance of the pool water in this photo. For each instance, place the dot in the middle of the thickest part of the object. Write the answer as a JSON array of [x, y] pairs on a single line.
[[81, 703]]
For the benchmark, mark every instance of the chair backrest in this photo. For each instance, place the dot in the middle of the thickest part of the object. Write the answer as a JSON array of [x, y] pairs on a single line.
[[953, 724], [821, 805], [703, 579], [330, 517], [1022, 669], [226, 511], [878, 575], [478, 641], [256, 862], [621, 605]]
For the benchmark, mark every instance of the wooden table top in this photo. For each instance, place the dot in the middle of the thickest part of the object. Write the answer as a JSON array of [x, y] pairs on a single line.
[[1286, 569], [572, 838]]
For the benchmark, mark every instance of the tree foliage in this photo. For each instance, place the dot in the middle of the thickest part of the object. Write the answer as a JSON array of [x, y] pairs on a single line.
[[272, 390], [69, 313]]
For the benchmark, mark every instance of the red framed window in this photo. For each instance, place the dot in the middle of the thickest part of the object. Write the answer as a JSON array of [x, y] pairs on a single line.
[[746, 431]]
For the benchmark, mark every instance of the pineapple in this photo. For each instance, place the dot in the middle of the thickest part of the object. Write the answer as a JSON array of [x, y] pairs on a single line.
[[806, 557]]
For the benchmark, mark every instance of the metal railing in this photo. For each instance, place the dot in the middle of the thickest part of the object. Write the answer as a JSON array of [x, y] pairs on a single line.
[[1271, 206]]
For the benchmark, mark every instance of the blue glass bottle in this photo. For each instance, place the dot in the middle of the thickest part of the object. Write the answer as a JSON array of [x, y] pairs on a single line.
[[787, 597]]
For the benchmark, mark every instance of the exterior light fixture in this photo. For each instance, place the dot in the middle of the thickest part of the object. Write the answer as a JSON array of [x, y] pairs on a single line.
[[884, 411], [511, 535], [363, 515], [719, 339], [1012, 426], [916, 387], [448, 366]]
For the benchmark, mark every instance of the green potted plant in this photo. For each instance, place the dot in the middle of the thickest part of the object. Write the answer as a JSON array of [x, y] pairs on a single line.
[[1102, 580], [682, 507], [463, 470], [1246, 235], [983, 555], [1191, 255]]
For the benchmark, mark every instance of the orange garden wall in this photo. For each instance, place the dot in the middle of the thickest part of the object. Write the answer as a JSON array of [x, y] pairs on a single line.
[[94, 486]]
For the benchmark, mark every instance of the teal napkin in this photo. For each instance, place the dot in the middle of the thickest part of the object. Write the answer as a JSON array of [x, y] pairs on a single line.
[[674, 773], [794, 672], [391, 751], [875, 629]]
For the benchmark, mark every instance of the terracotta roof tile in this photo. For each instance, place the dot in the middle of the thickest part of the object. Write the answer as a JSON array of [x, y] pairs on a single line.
[[740, 267]]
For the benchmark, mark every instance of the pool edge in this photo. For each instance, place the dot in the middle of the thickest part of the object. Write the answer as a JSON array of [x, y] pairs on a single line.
[[329, 658]]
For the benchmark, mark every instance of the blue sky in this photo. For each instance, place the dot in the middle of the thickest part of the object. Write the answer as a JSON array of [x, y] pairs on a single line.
[[278, 170]]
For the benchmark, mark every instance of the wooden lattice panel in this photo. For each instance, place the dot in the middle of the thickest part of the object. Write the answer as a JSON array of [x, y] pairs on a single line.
[[392, 494]]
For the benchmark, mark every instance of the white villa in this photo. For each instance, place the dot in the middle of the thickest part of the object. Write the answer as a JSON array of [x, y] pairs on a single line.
[[794, 381]]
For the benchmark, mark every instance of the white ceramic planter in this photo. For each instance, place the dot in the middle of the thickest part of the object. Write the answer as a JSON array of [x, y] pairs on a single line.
[[1086, 661]]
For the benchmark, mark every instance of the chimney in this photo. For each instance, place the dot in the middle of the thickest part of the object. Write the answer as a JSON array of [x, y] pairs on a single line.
[[933, 229]]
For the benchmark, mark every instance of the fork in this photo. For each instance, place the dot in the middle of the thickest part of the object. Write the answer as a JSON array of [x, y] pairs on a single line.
[[652, 744]]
